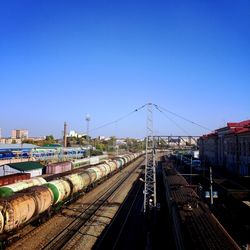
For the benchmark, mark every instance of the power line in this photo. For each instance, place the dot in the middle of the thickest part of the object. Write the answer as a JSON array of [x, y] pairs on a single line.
[[161, 110], [119, 119], [164, 114], [184, 118]]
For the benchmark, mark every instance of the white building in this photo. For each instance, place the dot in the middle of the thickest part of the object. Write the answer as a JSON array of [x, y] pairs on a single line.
[[73, 133], [32, 167]]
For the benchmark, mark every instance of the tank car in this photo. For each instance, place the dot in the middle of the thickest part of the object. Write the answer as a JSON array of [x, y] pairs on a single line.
[[8, 190], [60, 189], [76, 182], [36, 196], [21, 207]]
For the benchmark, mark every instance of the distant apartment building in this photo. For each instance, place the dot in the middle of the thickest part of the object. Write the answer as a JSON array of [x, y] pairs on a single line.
[[19, 134], [228, 147]]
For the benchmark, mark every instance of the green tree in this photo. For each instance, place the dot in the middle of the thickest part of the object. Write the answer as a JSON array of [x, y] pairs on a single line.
[[50, 138]]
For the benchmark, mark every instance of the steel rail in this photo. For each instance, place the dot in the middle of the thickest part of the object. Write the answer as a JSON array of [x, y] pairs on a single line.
[[65, 235]]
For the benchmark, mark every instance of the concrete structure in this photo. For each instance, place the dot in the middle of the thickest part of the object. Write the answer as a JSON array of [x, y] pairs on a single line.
[[19, 134], [228, 147]]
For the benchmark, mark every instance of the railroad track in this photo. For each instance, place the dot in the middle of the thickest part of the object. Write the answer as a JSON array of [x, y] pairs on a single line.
[[67, 235], [113, 233], [204, 230]]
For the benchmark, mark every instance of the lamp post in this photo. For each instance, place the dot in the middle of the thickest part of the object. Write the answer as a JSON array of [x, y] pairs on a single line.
[[211, 186], [87, 119], [191, 170]]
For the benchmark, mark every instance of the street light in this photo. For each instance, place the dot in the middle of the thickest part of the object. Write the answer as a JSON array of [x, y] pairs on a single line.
[[87, 119]]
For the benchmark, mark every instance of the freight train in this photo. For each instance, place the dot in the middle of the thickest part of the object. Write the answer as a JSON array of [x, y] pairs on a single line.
[[59, 167], [29, 200]]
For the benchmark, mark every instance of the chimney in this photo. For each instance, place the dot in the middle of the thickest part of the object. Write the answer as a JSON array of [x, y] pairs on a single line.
[[65, 135]]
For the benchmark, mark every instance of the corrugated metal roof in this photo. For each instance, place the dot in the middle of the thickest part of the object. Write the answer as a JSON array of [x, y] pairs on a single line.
[[26, 166]]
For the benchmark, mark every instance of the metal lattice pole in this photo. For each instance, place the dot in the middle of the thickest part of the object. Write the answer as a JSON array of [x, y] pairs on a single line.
[[87, 118], [150, 179]]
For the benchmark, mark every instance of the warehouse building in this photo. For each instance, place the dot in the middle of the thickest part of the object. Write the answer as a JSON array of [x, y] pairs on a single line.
[[228, 147], [31, 167]]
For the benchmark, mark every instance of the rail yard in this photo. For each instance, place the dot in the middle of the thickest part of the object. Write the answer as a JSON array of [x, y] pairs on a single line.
[[100, 206], [202, 229], [25, 203]]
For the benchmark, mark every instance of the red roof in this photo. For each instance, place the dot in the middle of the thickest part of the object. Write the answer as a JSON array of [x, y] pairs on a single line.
[[233, 128], [239, 124], [244, 130], [239, 127], [209, 135]]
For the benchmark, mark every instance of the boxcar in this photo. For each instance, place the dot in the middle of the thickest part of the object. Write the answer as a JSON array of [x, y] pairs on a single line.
[[13, 178]]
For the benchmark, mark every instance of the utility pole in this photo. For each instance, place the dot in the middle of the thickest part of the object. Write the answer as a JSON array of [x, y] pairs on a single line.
[[150, 178], [87, 118], [191, 170], [211, 187]]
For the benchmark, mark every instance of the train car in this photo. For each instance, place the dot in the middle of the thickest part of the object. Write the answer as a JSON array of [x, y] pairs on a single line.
[[112, 165], [13, 178], [76, 181], [15, 211], [119, 162], [59, 167], [7, 154], [8, 190], [37, 197], [60, 188], [96, 172], [20, 208], [43, 196], [80, 163], [86, 178], [105, 169]]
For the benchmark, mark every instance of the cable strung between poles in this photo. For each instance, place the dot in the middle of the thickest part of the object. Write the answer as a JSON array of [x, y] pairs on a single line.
[[164, 114], [119, 119], [210, 130], [160, 109]]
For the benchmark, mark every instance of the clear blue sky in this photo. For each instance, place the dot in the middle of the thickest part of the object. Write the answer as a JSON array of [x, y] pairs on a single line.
[[60, 60]]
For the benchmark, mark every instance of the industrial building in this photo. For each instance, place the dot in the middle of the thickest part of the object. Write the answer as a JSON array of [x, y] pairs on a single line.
[[228, 147], [33, 168]]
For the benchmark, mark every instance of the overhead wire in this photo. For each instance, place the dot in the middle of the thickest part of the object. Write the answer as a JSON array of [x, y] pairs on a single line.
[[176, 124], [162, 110], [119, 119], [183, 118]]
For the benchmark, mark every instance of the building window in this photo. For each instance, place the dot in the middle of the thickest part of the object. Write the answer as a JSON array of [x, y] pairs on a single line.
[[244, 149], [232, 148]]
